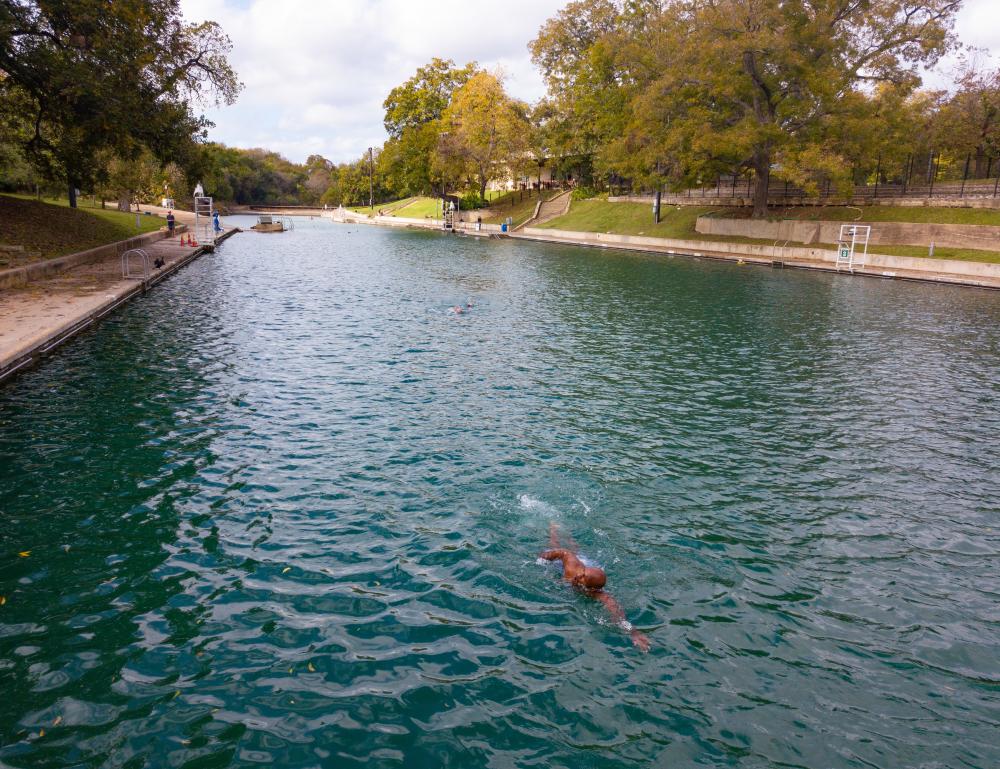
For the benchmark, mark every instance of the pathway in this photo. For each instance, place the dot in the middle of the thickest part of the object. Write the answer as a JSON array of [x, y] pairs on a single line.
[[550, 209], [40, 316]]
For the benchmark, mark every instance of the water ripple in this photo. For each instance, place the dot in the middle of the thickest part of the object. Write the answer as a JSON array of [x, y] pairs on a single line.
[[286, 510]]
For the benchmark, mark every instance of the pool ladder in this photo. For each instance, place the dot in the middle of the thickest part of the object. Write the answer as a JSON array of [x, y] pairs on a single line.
[[127, 273]]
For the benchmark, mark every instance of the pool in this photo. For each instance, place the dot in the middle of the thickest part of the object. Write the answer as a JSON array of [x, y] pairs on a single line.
[[286, 509]]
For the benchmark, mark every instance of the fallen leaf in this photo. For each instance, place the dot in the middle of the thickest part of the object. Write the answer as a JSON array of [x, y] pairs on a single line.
[[176, 693], [291, 670], [57, 721], [3, 600], [287, 568], [41, 732], [24, 553], [311, 668]]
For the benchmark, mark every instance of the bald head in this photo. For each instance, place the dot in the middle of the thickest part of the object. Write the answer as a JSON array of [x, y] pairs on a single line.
[[593, 578]]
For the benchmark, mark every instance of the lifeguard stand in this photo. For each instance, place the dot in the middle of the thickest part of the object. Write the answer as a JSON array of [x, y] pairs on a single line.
[[450, 205], [851, 237], [203, 231]]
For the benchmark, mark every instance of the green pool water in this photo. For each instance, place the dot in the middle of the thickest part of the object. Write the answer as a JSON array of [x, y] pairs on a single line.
[[286, 509]]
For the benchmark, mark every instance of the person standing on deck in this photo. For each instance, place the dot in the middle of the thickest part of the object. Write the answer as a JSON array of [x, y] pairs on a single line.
[[170, 223]]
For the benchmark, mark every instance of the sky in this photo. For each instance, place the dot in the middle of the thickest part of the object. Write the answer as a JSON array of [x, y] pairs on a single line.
[[316, 72]]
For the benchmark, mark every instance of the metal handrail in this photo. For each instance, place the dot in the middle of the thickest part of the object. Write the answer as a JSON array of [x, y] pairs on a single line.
[[127, 264]]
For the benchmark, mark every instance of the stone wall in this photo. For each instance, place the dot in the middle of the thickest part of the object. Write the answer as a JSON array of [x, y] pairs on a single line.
[[876, 262], [21, 276], [882, 233]]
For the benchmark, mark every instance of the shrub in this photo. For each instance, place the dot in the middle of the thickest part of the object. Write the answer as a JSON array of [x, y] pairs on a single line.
[[471, 200], [585, 193]]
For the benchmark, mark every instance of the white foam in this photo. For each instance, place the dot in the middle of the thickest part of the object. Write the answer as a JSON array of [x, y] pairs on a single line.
[[533, 505]]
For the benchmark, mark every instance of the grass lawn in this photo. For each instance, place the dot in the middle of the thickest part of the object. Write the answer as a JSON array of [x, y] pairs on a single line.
[[51, 228], [420, 208], [679, 222], [392, 208], [630, 219], [112, 215], [517, 205]]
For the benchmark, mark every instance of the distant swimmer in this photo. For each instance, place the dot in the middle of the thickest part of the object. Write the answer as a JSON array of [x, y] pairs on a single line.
[[457, 309], [590, 581]]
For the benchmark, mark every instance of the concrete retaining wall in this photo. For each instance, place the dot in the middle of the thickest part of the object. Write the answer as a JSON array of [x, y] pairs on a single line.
[[21, 276], [793, 253], [883, 233]]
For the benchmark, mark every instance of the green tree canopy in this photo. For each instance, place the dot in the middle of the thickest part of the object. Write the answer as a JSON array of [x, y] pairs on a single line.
[[778, 85], [485, 133], [969, 120], [423, 97], [90, 76]]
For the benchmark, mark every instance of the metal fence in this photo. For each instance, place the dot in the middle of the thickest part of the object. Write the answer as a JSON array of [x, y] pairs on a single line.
[[927, 176]]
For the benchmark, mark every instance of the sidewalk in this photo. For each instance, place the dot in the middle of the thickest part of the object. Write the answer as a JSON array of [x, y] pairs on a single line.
[[38, 317]]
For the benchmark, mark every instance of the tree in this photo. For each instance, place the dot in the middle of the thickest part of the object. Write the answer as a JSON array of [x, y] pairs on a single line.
[[413, 121], [132, 179], [423, 97], [969, 122], [485, 132], [119, 76], [771, 85], [576, 52]]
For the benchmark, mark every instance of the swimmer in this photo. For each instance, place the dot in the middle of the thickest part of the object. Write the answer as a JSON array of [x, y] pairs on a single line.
[[590, 581], [457, 309]]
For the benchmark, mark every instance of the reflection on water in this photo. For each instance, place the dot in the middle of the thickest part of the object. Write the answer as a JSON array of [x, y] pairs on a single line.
[[286, 508]]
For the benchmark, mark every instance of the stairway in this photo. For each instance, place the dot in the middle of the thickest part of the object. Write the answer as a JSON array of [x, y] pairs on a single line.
[[550, 209]]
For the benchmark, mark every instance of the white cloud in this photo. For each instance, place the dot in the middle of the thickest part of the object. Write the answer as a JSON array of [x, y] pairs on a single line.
[[977, 25], [316, 73]]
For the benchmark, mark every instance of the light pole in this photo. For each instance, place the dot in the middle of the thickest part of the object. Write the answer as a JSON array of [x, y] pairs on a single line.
[[371, 179]]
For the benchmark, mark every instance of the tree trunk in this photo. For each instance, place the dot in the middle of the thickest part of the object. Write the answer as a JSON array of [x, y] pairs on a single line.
[[761, 182], [980, 158], [482, 187], [125, 202], [72, 194]]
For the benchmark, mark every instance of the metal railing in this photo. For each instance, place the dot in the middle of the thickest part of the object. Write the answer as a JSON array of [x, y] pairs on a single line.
[[127, 273]]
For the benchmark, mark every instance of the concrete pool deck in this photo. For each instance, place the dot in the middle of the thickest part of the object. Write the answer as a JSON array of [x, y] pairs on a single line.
[[38, 317]]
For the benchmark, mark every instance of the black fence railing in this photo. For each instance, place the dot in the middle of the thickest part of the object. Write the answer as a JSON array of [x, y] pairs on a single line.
[[953, 189], [930, 175]]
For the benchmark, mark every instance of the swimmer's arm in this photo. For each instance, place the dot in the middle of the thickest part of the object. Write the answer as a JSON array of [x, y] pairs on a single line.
[[555, 555], [640, 641], [553, 535]]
